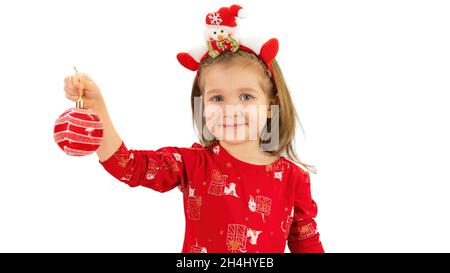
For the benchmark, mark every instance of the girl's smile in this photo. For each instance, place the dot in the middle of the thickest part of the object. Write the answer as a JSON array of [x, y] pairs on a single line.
[[233, 125]]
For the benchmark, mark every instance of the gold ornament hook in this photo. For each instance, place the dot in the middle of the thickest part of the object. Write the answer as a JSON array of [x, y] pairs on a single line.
[[79, 103]]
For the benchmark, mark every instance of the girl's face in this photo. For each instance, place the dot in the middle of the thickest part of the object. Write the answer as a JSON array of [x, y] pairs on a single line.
[[235, 103]]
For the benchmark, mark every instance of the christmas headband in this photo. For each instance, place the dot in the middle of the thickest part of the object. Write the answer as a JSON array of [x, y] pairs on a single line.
[[221, 35]]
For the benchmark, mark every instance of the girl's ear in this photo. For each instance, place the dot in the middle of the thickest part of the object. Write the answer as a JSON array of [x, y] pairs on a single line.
[[269, 110], [273, 101]]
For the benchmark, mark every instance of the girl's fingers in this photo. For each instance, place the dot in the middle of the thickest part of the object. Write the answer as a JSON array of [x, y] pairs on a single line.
[[81, 81], [71, 97], [72, 82], [82, 77], [68, 82], [75, 81], [68, 90], [79, 86], [76, 85], [73, 92]]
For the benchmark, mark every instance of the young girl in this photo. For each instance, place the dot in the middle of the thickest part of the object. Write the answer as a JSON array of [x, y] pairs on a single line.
[[240, 193]]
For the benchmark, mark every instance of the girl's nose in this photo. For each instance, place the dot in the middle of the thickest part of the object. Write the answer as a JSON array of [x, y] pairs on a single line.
[[234, 110]]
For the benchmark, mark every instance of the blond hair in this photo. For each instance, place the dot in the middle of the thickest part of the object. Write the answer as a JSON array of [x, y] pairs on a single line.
[[278, 94]]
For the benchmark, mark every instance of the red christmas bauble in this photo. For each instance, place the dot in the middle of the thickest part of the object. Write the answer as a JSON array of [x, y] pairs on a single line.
[[78, 131]]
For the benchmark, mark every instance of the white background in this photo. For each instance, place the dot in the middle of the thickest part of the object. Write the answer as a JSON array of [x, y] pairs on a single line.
[[370, 80]]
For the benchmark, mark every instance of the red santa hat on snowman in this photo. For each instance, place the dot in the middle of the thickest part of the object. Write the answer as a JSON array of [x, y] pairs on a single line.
[[222, 34], [226, 16]]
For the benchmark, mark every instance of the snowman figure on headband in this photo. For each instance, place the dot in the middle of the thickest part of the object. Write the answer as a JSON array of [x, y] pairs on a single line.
[[222, 34]]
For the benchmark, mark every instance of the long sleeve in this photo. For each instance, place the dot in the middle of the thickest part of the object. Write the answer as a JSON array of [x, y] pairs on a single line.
[[303, 235], [160, 170]]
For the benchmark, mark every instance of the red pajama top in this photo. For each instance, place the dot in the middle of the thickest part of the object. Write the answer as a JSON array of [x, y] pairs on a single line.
[[230, 205]]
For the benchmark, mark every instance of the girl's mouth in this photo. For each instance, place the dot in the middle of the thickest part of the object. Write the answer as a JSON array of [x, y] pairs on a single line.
[[234, 125]]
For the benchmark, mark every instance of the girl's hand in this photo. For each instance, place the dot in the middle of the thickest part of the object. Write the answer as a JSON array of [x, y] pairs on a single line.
[[82, 84]]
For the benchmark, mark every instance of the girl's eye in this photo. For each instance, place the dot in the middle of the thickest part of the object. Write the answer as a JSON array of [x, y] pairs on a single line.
[[217, 98], [215, 32], [221, 31], [246, 97]]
